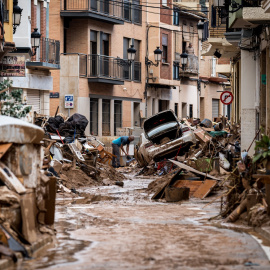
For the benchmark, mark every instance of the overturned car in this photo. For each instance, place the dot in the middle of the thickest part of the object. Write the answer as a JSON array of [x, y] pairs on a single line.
[[164, 137]]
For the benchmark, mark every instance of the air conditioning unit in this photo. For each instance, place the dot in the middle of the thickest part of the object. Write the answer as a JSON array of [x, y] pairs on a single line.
[[248, 40]]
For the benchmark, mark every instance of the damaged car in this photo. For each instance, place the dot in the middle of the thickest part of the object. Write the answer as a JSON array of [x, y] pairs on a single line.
[[164, 137]]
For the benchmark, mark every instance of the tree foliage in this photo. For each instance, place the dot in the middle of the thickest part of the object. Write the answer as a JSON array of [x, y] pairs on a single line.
[[11, 101], [262, 148]]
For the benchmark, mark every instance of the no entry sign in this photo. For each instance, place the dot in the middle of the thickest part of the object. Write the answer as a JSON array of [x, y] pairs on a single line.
[[226, 97]]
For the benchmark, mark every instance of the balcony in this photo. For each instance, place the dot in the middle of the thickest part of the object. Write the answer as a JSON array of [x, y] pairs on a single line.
[[107, 69], [102, 10], [191, 68], [47, 56], [249, 14]]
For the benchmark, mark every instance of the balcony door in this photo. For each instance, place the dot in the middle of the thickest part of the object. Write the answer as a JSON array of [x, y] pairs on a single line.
[[105, 51], [93, 53]]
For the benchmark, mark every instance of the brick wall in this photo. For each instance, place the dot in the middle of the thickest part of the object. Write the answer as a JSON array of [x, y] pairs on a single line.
[[166, 14], [166, 68], [77, 41]]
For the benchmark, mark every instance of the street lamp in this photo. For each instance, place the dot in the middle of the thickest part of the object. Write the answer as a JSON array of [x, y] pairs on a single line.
[[17, 14], [35, 41], [184, 59], [157, 55], [148, 63], [131, 53]]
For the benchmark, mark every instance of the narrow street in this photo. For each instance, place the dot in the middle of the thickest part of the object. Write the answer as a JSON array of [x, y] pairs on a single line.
[[111, 227]]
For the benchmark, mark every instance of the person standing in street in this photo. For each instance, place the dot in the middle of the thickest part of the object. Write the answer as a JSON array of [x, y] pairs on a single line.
[[118, 144]]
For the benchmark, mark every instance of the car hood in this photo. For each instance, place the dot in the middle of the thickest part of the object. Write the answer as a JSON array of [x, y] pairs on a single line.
[[158, 121]]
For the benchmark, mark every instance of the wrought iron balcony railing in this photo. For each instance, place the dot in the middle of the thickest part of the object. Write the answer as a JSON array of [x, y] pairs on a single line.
[[110, 68], [107, 7], [49, 51], [119, 10]]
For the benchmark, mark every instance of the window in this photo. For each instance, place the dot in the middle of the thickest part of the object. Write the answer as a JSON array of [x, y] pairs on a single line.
[[164, 48], [132, 11], [176, 71], [164, 2], [117, 115], [126, 67], [175, 17], [94, 116], [127, 9], [136, 11], [137, 63], [93, 53], [106, 107], [132, 72]]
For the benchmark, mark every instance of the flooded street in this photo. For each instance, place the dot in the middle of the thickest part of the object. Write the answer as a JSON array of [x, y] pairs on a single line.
[[121, 228]]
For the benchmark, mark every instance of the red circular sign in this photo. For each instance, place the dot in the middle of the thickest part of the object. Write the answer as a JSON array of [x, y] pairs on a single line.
[[226, 97]]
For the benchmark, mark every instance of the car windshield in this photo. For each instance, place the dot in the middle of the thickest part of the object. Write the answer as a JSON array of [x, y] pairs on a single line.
[[162, 128]]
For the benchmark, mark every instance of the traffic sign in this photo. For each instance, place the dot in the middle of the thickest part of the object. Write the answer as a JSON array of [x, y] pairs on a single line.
[[69, 101], [226, 97]]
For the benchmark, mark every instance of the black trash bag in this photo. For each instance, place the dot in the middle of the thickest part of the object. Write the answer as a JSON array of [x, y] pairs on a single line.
[[53, 123], [78, 122], [66, 129]]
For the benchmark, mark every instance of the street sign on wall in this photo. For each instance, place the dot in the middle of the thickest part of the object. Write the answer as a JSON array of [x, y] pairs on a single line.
[[69, 101], [226, 97]]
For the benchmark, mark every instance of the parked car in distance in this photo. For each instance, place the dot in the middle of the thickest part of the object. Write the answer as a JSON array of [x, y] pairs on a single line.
[[163, 135]]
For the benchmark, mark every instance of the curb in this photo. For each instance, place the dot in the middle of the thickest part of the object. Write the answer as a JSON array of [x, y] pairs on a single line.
[[37, 246]]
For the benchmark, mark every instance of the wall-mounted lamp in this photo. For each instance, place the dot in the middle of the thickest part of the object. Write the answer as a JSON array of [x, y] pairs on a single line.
[[184, 59], [217, 53], [157, 54], [35, 41], [17, 14], [131, 53]]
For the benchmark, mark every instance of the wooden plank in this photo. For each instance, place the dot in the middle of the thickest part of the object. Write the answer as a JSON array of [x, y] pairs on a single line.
[[10, 180], [160, 192], [3, 148], [28, 201], [263, 178], [193, 185], [202, 135], [205, 189], [188, 168]]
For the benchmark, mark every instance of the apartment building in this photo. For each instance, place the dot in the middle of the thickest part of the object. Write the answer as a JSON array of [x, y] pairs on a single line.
[[247, 32], [29, 65], [191, 88], [106, 86]]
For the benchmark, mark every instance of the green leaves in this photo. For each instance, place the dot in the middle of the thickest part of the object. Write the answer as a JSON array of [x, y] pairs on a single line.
[[11, 101], [263, 149]]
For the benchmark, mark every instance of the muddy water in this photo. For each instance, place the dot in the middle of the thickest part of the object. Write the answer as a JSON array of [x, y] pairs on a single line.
[[121, 228]]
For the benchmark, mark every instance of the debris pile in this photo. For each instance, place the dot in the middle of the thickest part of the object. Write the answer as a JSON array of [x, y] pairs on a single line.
[[27, 194], [248, 190], [201, 166], [74, 159]]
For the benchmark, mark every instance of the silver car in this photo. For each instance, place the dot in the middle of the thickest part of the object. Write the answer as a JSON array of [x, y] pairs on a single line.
[[164, 136]]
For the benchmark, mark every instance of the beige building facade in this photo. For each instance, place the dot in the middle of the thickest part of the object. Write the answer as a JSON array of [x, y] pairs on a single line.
[[113, 92]]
